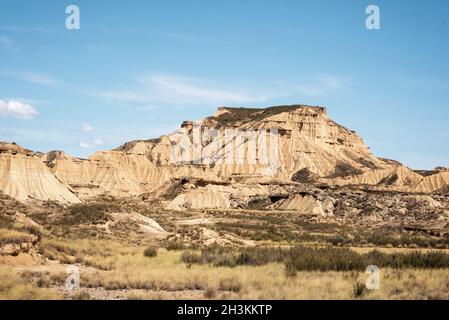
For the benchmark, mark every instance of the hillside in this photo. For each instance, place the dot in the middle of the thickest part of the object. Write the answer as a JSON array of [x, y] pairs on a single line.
[[284, 144]]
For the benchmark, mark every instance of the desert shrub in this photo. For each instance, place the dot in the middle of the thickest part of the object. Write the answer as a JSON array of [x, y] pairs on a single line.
[[150, 252], [230, 284], [405, 240], [191, 257], [325, 259], [228, 257], [219, 257], [312, 226], [34, 230], [415, 259], [359, 289], [432, 259], [343, 259], [6, 221], [175, 246], [301, 258], [14, 287], [14, 236], [257, 231], [260, 255], [209, 293], [290, 269], [338, 240], [87, 213]]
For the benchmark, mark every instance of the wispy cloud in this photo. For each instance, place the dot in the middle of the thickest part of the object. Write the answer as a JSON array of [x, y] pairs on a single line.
[[86, 127], [182, 37], [317, 86], [176, 90], [17, 109], [24, 28], [123, 96], [93, 144], [422, 84], [36, 78], [40, 79], [173, 89]]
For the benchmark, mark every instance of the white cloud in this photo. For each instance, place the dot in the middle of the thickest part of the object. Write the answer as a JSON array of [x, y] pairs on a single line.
[[158, 89], [181, 36], [175, 90], [123, 96], [17, 109], [85, 145], [86, 127], [422, 84], [39, 79], [36, 78], [90, 145], [23, 28], [319, 85]]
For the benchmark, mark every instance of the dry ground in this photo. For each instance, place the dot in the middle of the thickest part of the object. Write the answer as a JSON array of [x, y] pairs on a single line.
[[110, 255], [120, 272]]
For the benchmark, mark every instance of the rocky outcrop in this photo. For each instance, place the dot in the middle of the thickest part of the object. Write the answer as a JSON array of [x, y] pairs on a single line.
[[433, 182], [397, 178], [194, 194], [306, 204], [308, 139], [244, 146], [14, 249], [24, 176]]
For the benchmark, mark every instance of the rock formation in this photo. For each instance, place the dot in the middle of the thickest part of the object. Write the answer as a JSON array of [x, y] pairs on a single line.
[[281, 145], [24, 176]]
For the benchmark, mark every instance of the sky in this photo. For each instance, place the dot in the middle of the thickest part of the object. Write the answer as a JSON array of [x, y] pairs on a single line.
[[137, 69]]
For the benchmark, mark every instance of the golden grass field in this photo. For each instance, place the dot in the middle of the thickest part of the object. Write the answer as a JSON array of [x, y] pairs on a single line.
[[110, 270]]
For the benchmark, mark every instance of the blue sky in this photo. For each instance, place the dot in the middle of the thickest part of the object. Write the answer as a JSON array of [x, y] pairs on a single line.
[[136, 69]]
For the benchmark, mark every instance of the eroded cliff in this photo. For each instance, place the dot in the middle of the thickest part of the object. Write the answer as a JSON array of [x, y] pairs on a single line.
[[285, 144]]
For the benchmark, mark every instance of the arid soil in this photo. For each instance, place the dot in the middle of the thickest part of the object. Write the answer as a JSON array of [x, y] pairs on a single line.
[[138, 226]]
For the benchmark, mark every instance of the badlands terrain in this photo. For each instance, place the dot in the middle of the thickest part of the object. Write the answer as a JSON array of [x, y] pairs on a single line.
[[300, 216]]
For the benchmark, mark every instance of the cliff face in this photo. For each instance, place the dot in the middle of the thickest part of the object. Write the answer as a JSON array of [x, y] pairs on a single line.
[[237, 145], [24, 176], [305, 139]]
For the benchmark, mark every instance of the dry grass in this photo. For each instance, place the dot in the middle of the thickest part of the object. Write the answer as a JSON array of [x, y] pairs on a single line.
[[14, 287], [100, 254], [127, 273], [166, 274], [13, 236]]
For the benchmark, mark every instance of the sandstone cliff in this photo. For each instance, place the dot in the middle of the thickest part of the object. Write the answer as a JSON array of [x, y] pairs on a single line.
[[289, 144], [308, 139], [24, 176]]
